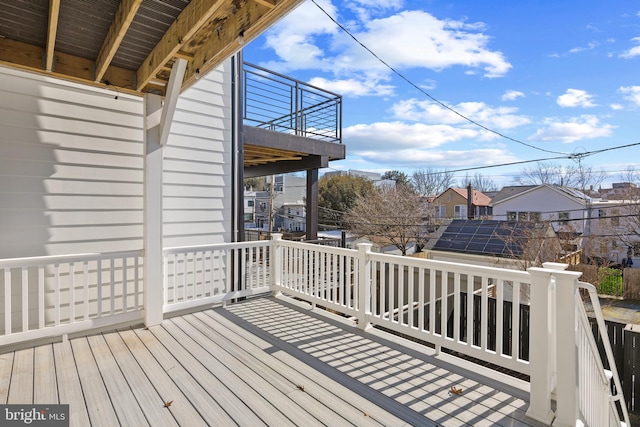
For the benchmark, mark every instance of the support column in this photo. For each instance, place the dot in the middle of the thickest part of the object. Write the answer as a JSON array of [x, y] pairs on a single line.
[[312, 204], [364, 285], [153, 259], [567, 360], [540, 346]]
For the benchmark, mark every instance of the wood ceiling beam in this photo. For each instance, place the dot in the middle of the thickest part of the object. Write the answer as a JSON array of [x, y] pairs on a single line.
[[54, 12], [119, 26], [268, 3], [194, 16], [230, 29], [70, 67]]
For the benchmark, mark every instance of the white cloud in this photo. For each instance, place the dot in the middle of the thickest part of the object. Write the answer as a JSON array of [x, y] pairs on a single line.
[[617, 107], [631, 93], [589, 46], [632, 52], [367, 8], [430, 112], [414, 158], [576, 129], [512, 95], [398, 135], [353, 87], [307, 39], [576, 98]]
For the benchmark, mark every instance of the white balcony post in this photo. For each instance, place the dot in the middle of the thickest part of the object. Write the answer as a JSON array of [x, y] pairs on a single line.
[[364, 285], [540, 346], [567, 359], [153, 259], [276, 264]]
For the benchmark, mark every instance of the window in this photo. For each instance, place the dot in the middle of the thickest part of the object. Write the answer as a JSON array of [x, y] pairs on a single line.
[[441, 211], [563, 217], [615, 219], [460, 211], [534, 216], [512, 216], [250, 203]]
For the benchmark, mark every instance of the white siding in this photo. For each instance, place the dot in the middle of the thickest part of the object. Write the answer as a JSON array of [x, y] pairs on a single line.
[[197, 164], [70, 168]]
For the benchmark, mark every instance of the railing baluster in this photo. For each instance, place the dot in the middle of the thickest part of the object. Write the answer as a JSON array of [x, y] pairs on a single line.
[[41, 306], [57, 313], [112, 285], [484, 314], [136, 279], [499, 287], [85, 288], [99, 272], [515, 322], [456, 307], [72, 292], [410, 301], [444, 302], [7, 301], [384, 313], [401, 295], [25, 299], [125, 293], [421, 285], [432, 302], [470, 310]]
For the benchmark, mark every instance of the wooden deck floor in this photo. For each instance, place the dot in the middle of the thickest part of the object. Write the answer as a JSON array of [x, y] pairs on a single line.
[[260, 362]]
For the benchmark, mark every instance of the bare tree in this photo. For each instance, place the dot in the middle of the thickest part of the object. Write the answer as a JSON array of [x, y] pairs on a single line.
[[394, 216], [579, 176], [479, 182], [529, 244], [428, 182]]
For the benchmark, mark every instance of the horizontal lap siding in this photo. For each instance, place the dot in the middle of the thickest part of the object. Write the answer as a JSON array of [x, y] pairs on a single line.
[[197, 164], [71, 168]]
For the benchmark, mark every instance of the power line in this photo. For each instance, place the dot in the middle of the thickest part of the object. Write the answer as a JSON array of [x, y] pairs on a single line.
[[403, 77]]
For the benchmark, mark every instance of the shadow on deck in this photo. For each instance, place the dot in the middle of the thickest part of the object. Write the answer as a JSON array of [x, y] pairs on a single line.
[[264, 361]]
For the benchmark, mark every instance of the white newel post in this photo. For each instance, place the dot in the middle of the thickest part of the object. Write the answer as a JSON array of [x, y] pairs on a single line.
[[153, 260], [567, 361], [364, 285], [276, 265], [540, 346]]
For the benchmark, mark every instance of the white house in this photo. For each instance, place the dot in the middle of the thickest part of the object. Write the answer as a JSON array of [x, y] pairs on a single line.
[[563, 206]]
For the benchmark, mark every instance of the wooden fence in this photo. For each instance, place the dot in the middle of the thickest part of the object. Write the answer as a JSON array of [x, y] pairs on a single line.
[[630, 280], [625, 343], [631, 283]]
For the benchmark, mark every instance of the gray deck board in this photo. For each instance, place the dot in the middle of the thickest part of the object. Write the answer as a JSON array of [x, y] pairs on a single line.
[[45, 386], [99, 407], [21, 388], [69, 388], [6, 366], [181, 408], [263, 361], [122, 398]]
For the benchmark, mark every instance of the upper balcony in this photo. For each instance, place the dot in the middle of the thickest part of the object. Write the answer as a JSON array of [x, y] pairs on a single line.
[[272, 361], [288, 125]]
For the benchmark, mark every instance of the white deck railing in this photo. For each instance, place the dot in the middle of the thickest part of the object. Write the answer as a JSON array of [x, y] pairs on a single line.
[[598, 406], [487, 313], [201, 275], [60, 295]]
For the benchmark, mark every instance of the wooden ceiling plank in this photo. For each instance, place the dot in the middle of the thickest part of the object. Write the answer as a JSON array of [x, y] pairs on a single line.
[[119, 26], [268, 3], [54, 12], [195, 15]]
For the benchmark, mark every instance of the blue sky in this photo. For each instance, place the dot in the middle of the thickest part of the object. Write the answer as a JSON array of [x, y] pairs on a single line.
[[561, 76]]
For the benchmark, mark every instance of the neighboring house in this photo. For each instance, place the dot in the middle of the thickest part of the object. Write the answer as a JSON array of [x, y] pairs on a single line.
[[453, 203], [613, 229], [564, 207], [249, 209], [291, 217], [288, 189], [373, 176]]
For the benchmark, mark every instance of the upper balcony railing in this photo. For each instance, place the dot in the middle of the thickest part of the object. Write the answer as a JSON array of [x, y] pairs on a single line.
[[282, 104]]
